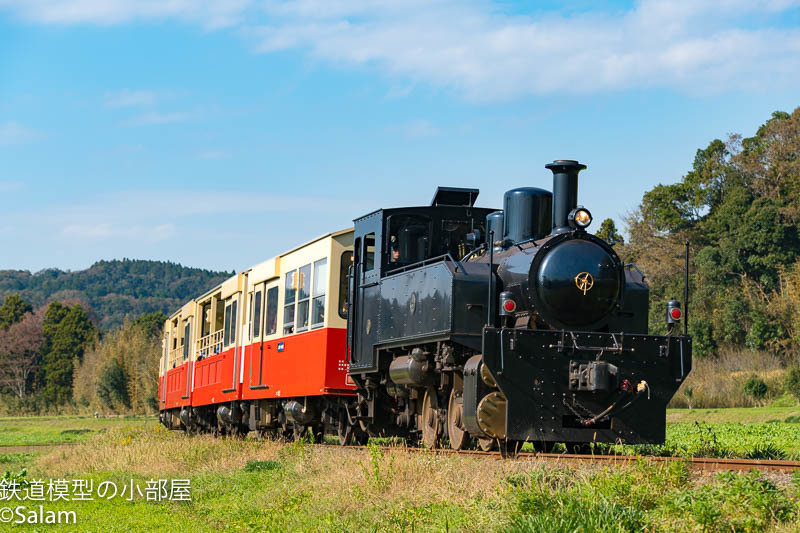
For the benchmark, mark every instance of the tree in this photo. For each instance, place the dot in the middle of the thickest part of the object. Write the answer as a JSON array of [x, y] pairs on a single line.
[[770, 163], [68, 331], [120, 372], [20, 347], [112, 386], [152, 324], [12, 310], [608, 232], [739, 206]]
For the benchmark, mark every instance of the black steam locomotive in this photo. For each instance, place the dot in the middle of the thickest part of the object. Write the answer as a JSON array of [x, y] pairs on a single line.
[[504, 326]]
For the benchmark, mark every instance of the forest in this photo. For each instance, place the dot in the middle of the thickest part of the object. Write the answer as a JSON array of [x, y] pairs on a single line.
[[89, 340], [112, 290]]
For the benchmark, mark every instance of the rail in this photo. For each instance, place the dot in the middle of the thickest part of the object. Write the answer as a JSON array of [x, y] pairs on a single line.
[[713, 464]]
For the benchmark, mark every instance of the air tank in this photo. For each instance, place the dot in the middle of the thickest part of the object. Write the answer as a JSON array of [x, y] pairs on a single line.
[[527, 214], [494, 223]]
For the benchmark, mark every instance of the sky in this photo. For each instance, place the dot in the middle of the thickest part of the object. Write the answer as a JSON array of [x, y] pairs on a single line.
[[219, 134]]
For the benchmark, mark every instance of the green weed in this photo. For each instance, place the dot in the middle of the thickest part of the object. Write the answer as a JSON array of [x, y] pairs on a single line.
[[378, 473], [262, 466]]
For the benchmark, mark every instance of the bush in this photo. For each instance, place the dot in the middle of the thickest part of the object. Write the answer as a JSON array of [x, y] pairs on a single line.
[[755, 387], [111, 387], [262, 466], [792, 382], [702, 331]]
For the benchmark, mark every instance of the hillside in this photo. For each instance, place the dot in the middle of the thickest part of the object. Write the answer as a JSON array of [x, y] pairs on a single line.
[[114, 289]]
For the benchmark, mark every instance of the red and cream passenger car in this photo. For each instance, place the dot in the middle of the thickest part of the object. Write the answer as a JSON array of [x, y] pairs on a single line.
[[266, 349]]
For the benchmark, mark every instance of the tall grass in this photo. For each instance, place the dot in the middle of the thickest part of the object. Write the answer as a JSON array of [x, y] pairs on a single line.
[[720, 381]]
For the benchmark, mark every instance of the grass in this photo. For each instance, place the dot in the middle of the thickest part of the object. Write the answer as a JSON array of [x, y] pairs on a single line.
[[270, 486], [743, 415], [730, 439], [52, 430]]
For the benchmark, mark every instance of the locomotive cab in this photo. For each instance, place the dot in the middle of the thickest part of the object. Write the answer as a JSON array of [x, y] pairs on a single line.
[[405, 267]]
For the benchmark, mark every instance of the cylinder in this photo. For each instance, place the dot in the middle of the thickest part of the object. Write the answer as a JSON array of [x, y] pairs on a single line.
[[225, 414], [565, 191], [526, 214], [186, 417], [494, 223], [406, 370], [297, 412]]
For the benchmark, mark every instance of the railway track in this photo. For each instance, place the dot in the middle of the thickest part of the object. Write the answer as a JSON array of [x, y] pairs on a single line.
[[708, 464]]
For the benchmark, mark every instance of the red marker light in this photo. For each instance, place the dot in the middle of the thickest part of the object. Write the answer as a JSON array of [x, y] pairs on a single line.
[[675, 313], [509, 305]]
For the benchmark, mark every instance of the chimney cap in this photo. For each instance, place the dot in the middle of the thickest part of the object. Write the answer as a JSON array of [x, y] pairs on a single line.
[[565, 163]]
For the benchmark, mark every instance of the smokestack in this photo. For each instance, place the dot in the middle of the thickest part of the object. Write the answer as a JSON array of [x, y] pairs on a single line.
[[565, 191]]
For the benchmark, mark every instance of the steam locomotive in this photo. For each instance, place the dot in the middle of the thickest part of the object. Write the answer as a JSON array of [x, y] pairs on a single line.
[[538, 333], [463, 325]]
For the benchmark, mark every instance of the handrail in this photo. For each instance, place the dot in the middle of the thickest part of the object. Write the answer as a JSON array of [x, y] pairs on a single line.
[[429, 261], [175, 355], [210, 344]]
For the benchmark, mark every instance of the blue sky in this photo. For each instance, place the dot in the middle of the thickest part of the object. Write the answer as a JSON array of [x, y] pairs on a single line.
[[218, 134]]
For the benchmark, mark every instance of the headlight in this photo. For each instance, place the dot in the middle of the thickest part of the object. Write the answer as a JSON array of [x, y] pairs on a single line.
[[580, 217]]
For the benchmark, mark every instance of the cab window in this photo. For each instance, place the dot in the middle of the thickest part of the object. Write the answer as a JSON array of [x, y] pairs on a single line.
[[454, 237], [409, 240], [344, 268], [369, 252]]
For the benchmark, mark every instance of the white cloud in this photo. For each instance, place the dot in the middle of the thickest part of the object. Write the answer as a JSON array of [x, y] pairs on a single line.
[[209, 13], [488, 55], [484, 53], [213, 155], [152, 216], [142, 233], [130, 98], [129, 208], [155, 117], [415, 129], [14, 133]]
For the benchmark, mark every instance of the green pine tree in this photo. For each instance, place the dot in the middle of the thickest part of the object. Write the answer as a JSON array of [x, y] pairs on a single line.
[[68, 331]]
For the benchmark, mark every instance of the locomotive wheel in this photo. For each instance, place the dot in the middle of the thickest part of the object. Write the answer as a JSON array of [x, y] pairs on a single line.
[[344, 429], [318, 433], [486, 445], [239, 431], [459, 438], [299, 432], [429, 420]]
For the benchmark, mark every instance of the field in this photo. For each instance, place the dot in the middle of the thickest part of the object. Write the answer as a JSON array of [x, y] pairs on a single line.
[[49, 430], [271, 486]]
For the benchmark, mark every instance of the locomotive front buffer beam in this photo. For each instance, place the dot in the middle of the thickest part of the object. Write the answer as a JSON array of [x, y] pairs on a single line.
[[570, 386]]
